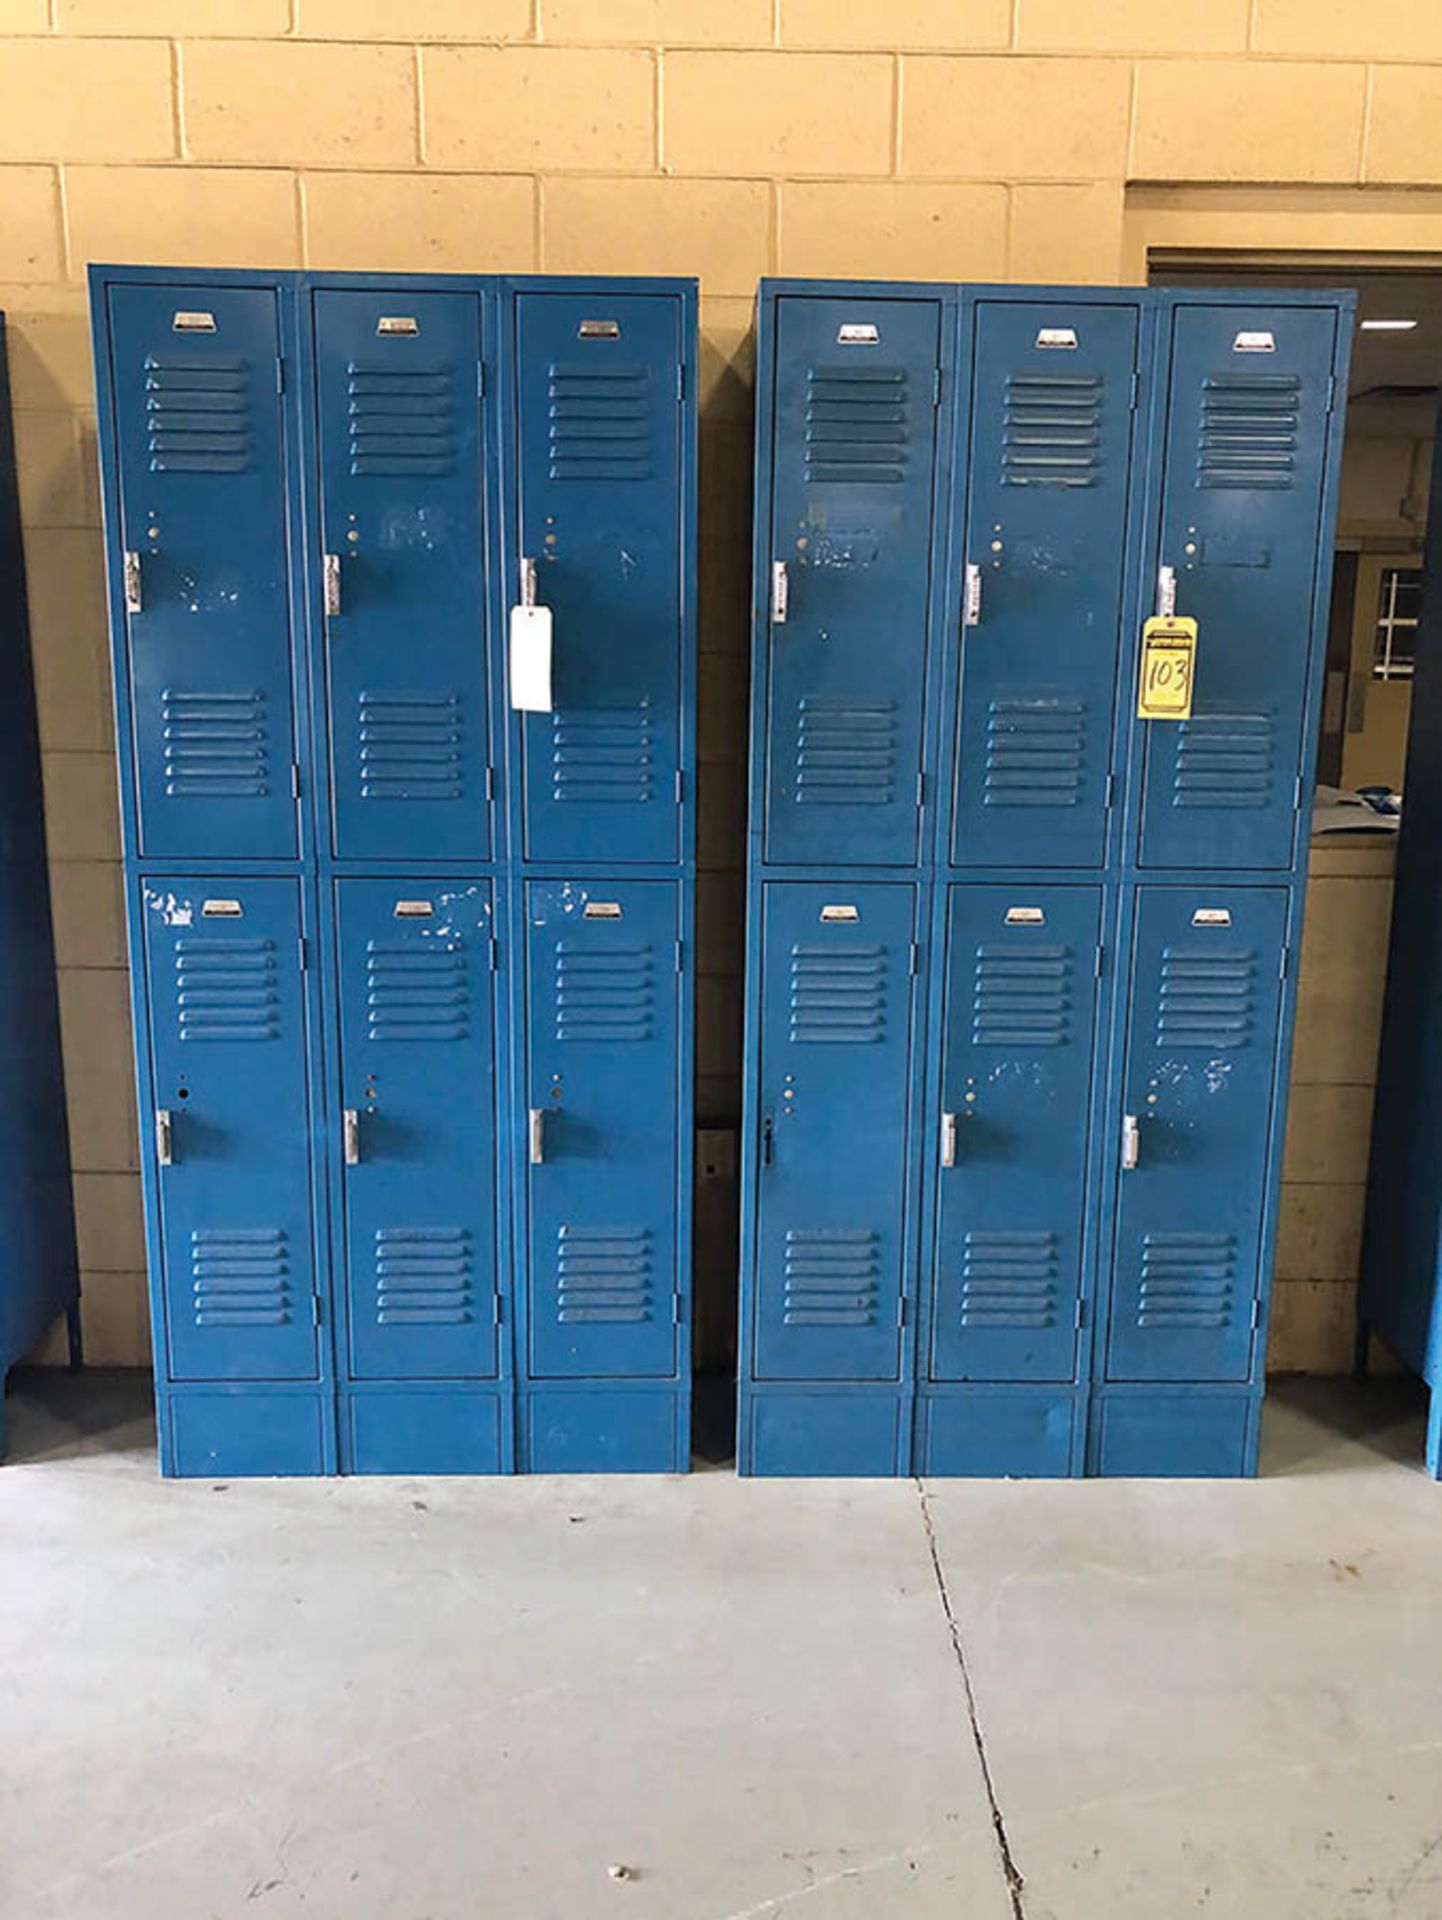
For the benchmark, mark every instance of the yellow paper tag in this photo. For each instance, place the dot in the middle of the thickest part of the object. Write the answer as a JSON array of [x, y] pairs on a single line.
[[1169, 657]]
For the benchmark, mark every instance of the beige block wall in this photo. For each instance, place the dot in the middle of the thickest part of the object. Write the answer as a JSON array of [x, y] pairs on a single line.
[[925, 138]]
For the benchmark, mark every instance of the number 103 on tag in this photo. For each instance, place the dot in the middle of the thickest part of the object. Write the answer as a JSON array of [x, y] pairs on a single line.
[[1169, 658]]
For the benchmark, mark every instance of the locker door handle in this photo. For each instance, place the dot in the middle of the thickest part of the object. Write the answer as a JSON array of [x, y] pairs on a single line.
[[1131, 1142], [971, 605], [536, 1134], [948, 1139], [1166, 592], [130, 569], [780, 593], [350, 1136], [330, 567], [164, 1138], [528, 581]]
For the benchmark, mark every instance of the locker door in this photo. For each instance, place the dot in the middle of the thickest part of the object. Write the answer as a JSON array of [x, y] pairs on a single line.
[[418, 1127], [228, 1043], [1018, 1046], [836, 1020], [1244, 468], [1205, 1005], [1045, 539], [403, 572], [200, 439], [604, 1082], [856, 384], [599, 455]]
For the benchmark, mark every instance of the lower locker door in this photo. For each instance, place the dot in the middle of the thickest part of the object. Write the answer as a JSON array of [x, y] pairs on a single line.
[[418, 1134], [1205, 1007], [232, 1128], [1018, 1038], [604, 1076], [836, 1019]]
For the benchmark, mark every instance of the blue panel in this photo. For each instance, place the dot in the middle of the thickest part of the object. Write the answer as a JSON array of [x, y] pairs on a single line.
[[835, 1069], [991, 1434], [1201, 1059], [1018, 1037], [225, 1435], [423, 1432], [851, 520], [228, 1045], [1052, 413], [599, 398], [603, 1076], [579, 1431], [1245, 459], [418, 1071], [401, 514], [1175, 1437], [198, 426], [826, 1435]]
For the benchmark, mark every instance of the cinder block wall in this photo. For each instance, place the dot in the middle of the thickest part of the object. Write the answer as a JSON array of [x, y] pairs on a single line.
[[730, 138]]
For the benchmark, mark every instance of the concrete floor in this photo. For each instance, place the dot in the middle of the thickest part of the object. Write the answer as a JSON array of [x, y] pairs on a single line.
[[826, 1700]]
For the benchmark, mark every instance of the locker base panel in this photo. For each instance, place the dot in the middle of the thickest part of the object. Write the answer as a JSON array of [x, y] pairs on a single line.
[[236, 1433], [434, 1429], [1185, 1434], [1001, 1433], [827, 1433], [604, 1429]]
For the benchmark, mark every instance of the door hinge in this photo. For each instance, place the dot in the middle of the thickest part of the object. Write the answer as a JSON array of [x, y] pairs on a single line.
[[920, 791], [315, 1309], [901, 1311], [295, 779], [1297, 794], [1136, 389], [914, 964], [680, 380], [680, 956], [1331, 391], [480, 379], [490, 785], [680, 785], [1081, 1313], [280, 376], [1111, 798], [936, 386], [496, 1309], [1256, 1314], [493, 954], [1100, 963], [300, 949], [675, 1309], [1284, 963]]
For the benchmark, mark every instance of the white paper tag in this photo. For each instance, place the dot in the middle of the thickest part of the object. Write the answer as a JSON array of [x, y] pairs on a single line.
[[531, 659]]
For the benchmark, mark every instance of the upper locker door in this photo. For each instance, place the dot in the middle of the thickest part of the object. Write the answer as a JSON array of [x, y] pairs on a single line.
[[200, 439], [402, 573], [1051, 441], [605, 1079], [418, 1132], [599, 458], [836, 1017], [232, 1129], [1197, 1089], [1241, 532], [1018, 1046], [851, 548]]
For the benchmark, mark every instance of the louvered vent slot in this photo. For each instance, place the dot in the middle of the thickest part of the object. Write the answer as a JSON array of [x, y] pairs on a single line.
[[1206, 998], [603, 757], [603, 1276], [838, 998], [600, 422], [831, 1277], [857, 425], [410, 746], [423, 1276], [215, 745], [1188, 1281], [1248, 434], [416, 992], [845, 752], [1225, 761], [226, 990], [197, 414], [1009, 1280], [240, 1277], [1021, 997], [401, 421], [1035, 753], [605, 995], [1051, 431]]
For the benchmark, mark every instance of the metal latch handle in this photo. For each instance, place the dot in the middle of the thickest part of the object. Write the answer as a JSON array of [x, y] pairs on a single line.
[[537, 1135], [164, 1137], [1131, 1142], [130, 570], [528, 581], [330, 567], [780, 592], [1166, 592], [971, 605], [350, 1136], [948, 1139]]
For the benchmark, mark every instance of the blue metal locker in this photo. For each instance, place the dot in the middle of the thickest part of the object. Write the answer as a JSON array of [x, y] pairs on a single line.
[[851, 521], [236, 1289], [1054, 389], [402, 575], [194, 373], [600, 409], [1243, 542]]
